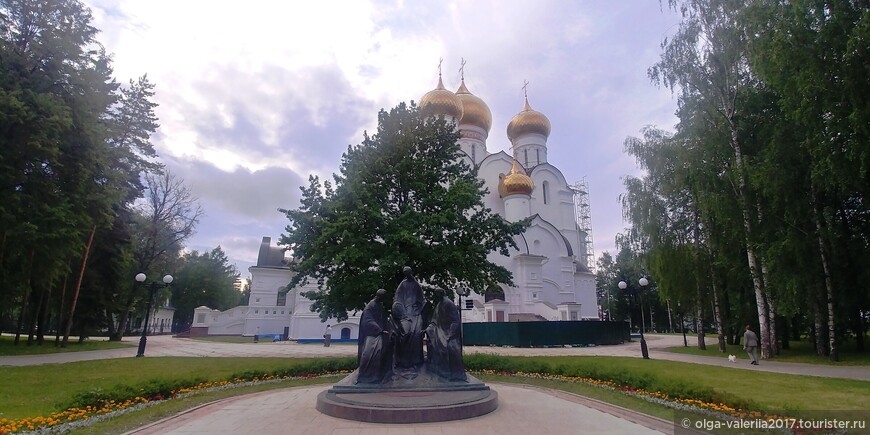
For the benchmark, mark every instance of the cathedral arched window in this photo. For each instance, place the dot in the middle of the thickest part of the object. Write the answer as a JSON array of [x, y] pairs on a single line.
[[538, 156], [545, 188], [526, 157], [473, 153]]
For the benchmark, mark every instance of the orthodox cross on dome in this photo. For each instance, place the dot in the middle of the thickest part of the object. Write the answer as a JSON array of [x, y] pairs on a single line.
[[462, 69], [526, 106], [440, 60]]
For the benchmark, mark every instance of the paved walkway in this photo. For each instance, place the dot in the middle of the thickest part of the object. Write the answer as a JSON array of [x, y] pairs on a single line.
[[165, 345], [521, 410]]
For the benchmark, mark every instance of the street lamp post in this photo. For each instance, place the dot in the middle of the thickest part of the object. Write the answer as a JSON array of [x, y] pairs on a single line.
[[461, 292], [153, 288], [643, 283]]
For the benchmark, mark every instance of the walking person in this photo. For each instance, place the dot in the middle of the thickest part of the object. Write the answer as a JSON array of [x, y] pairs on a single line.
[[750, 345], [327, 336]]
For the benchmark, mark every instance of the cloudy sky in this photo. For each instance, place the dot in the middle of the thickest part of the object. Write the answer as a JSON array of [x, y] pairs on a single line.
[[255, 98]]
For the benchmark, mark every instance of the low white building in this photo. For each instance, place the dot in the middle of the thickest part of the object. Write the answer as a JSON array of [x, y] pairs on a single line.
[[550, 267], [269, 312]]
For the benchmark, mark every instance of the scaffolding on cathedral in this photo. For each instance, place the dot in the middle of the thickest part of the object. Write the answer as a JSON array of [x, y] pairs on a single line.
[[583, 213]]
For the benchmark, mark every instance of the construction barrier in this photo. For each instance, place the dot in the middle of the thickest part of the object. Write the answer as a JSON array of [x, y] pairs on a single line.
[[557, 333]]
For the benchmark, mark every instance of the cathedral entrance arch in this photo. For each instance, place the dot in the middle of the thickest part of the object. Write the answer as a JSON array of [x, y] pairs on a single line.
[[345, 333]]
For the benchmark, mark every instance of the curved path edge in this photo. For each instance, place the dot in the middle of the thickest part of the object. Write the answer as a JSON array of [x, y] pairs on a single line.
[[199, 419]]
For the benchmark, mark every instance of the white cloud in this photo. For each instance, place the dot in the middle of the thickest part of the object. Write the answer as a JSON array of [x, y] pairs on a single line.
[[248, 88]]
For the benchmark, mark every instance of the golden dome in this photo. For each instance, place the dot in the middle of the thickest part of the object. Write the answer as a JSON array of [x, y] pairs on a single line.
[[528, 121], [440, 101], [474, 110], [516, 182]]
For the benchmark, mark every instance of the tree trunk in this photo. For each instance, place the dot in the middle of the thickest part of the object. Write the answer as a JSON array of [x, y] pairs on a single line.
[[829, 283], [652, 320], [720, 330], [34, 317], [717, 312], [859, 330], [75, 297], [770, 299], [699, 319], [751, 257], [699, 310], [21, 315], [774, 340], [25, 299], [124, 318], [784, 333], [111, 323], [60, 308], [820, 338], [670, 319], [43, 319]]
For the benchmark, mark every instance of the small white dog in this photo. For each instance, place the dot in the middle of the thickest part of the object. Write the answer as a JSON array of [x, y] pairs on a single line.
[[732, 358]]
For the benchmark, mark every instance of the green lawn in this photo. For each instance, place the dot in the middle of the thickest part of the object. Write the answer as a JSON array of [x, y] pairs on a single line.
[[800, 352], [769, 391], [8, 348], [39, 390]]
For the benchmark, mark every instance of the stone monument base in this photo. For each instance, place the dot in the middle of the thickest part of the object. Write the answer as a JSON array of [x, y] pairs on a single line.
[[402, 401]]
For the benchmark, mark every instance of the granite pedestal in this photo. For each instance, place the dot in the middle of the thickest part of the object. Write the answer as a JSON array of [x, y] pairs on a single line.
[[420, 399]]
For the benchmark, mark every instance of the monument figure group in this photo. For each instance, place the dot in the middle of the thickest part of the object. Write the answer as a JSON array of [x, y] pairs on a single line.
[[393, 366], [392, 346]]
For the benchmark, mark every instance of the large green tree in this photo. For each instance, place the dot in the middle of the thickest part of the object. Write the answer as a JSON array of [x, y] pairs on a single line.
[[59, 182], [402, 197], [814, 55], [203, 279], [757, 199]]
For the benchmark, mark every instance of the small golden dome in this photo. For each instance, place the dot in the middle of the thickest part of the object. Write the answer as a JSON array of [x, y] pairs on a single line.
[[528, 121], [474, 110], [516, 182], [440, 101]]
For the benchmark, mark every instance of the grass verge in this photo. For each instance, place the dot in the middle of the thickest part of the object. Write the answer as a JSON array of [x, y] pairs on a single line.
[[799, 352], [40, 390], [763, 391], [8, 348]]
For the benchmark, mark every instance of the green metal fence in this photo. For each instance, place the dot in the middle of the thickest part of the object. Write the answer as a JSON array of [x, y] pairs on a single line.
[[528, 334]]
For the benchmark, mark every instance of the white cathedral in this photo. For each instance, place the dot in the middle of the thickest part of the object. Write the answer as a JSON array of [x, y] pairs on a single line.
[[552, 281]]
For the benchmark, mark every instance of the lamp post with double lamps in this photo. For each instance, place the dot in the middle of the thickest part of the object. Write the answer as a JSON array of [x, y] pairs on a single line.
[[643, 281], [153, 288]]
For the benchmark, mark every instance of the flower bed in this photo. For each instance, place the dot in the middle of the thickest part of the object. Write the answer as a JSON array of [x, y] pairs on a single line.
[[720, 410], [76, 417]]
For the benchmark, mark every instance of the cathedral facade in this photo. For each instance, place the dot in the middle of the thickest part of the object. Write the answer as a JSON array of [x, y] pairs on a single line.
[[552, 281]]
